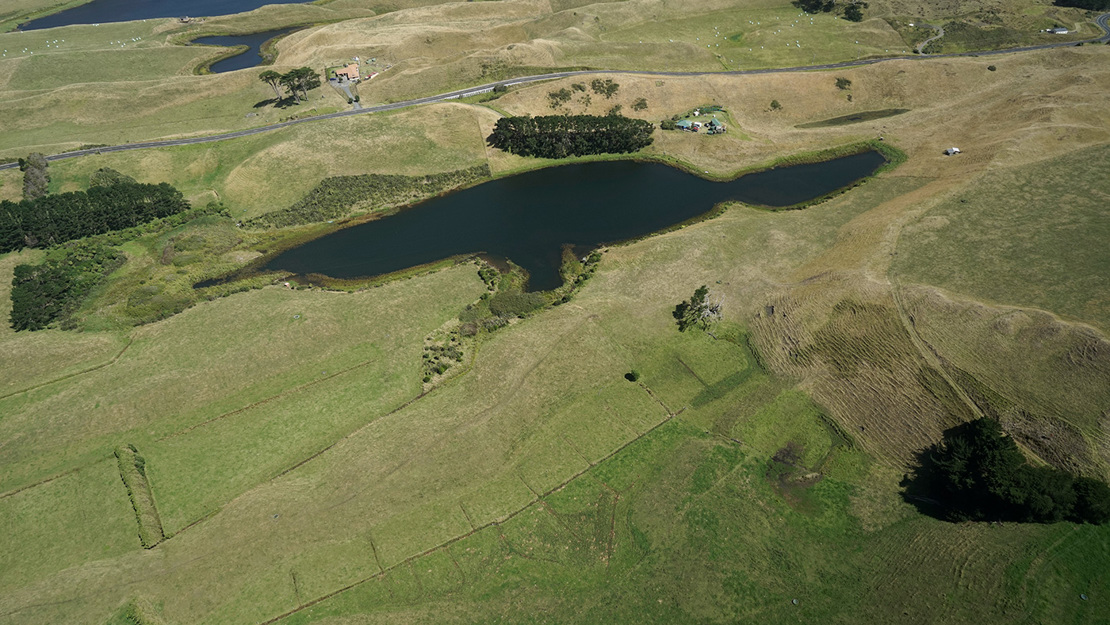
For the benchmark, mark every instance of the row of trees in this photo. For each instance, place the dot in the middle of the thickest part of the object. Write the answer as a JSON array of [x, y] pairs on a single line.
[[560, 136], [297, 81], [979, 474], [53, 219]]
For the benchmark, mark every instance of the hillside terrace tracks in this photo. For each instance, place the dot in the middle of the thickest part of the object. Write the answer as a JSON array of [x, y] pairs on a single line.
[[1103, 22]]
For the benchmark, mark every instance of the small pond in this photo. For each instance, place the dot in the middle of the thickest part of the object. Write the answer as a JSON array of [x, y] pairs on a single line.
[[528, 218], [250, 57], [101, 11]]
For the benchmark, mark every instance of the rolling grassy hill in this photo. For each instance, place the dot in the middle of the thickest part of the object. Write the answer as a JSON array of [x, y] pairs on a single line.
[[303, 472]]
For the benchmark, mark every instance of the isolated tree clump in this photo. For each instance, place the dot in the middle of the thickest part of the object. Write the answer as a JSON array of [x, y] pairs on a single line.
[[559, 98], [697, 311], [979, 474], [843, 83], [640, 104], [775, 106], [605, 87]]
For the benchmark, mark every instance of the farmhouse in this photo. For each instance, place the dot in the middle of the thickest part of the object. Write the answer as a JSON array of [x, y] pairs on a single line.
[[350, 72], [684, 124]]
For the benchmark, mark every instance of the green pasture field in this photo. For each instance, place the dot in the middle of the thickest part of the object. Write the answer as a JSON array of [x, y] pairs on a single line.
[[651, 536], [260, 173], [56, 101], [1007, 237], [545, 399], [44, 71], [541, 482], [757, 37]]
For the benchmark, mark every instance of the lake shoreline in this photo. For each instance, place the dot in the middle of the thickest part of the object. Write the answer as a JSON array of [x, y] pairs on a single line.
[[82, 12], [265, 49], [305, 235]]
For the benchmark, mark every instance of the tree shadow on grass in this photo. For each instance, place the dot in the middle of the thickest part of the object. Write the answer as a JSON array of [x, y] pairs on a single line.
[[283, 103], [922, 483]]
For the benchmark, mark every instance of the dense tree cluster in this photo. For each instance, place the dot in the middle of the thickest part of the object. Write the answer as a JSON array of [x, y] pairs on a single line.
[[815, 6], [36, 178], [61, 217], [853, 11], [336, 197], [1090, 5], [42, 294], [979, 474], [559, 136]]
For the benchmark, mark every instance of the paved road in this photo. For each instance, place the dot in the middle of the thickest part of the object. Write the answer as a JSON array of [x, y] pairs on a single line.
[[1103, 21], [346, 87]]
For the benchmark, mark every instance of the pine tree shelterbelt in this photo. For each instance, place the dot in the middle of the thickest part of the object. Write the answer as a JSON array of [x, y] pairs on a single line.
[[560, 136], [53, 219]]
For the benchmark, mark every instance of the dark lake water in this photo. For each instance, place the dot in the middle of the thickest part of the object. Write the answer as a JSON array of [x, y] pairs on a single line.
[[528, 218], [101, 11], [249, 58]]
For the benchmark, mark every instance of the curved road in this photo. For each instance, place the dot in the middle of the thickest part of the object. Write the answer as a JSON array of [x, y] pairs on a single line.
[[940, 33], [1103, 21]]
